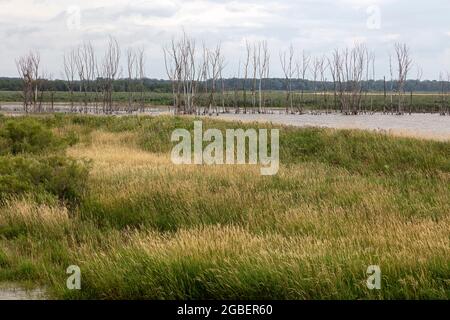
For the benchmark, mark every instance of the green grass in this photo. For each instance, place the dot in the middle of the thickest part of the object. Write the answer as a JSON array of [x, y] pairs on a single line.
[[143, 228]]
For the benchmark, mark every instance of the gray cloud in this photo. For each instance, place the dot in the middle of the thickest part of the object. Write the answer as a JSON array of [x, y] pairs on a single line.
[[317, 26]]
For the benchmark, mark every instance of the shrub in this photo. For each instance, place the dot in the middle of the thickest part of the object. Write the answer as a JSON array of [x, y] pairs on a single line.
[[28, 136], [56, 175]]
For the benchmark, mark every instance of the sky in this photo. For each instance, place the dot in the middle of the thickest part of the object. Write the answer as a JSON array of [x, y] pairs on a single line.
[[316, 26]]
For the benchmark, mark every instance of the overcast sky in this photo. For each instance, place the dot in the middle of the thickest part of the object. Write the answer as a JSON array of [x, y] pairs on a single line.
[[316, 26]]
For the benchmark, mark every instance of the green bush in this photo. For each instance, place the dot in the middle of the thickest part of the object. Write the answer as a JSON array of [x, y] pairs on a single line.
[[56, 175], [27, 135]]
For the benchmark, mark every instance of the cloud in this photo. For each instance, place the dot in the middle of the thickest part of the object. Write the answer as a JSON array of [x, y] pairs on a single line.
[[317, 26]]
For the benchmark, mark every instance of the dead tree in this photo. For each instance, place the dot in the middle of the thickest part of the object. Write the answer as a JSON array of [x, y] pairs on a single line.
[[216, 64], [86, 67], [392, 88], [373, 80], [131, 63], [140, 74], [110, 67], [191, 73], [255, 62], [302, 66], [323, 66], [263, 72], [315, 74], [35, 58], [186, 72], [287, 59], [404, 63], [25, 69], [171, 74], [28, 69], [204, 76], [369, 70], [70, 70], [174, 69], [51, 89], [348, 66], [246, 65], [333, 64]]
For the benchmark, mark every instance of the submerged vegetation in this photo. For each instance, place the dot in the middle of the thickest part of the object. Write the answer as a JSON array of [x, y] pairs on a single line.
[[102, 193]]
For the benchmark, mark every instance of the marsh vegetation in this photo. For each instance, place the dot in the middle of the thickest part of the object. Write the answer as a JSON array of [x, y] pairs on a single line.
[[102, 193]]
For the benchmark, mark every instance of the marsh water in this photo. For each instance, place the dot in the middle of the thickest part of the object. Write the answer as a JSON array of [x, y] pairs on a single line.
[[423, 125], [12, 291]]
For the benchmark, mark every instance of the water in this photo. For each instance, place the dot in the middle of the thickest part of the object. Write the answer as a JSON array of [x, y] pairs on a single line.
[[15, 292], [422, 125], [426, 125]]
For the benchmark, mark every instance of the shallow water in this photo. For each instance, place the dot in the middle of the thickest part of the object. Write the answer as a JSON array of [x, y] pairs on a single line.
[[14, 292], [423, 125]]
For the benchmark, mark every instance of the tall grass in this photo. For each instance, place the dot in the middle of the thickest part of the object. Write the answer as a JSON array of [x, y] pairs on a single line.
[[145, 228]]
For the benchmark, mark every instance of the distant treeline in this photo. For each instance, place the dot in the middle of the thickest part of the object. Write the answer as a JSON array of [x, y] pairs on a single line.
[[157, 85]]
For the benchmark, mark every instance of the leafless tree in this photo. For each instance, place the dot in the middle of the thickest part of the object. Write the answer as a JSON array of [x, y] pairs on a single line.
[[25, 69], [174, 69], [348, 67], [192, 68], [70, 71], [28, 69], [140, 74], [246, 64], [86, 66], [255, 62], [392, 88], [404, 63], [35, 58], [334, 65], [369, 70], [287, 65], [315, 69], [216, 64], [263, 72], [110, 66], [302, 66], [323, 67], [131, 64]]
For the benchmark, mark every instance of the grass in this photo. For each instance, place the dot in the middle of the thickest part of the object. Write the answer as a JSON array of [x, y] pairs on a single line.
[[144, 228]]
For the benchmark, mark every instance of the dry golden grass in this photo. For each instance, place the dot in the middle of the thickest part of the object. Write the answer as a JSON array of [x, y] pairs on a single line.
[[27, 212]]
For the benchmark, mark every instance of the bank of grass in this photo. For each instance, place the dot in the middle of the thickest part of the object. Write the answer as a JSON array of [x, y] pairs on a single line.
[[145, 228]]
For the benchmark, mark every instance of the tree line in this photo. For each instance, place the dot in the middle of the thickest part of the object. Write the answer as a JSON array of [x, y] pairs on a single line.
[[271, 84]]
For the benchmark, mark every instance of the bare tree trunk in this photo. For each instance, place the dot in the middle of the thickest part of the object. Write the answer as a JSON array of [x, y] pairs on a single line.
[[286, 59], [404, 63]]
